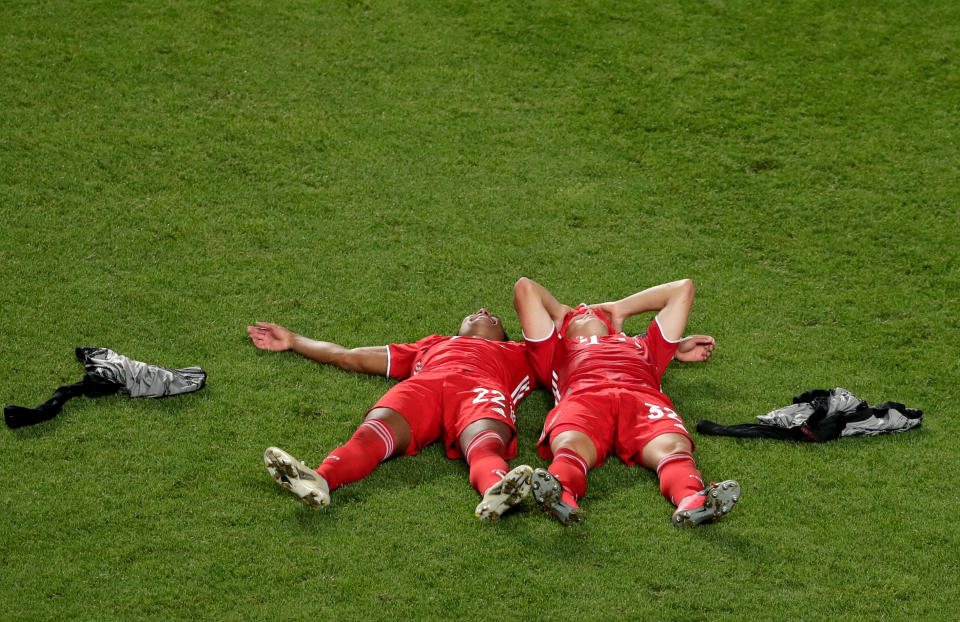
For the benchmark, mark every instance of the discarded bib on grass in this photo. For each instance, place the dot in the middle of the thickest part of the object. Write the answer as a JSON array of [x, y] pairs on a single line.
[[109, 373], [138, 379], [819, 415]]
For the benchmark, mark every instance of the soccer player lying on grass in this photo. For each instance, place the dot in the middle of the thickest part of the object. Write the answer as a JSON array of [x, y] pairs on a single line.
[[608, 397], [461, 389]]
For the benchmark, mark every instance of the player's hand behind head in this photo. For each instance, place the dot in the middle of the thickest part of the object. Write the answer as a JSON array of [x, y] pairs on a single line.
[[610, 310]]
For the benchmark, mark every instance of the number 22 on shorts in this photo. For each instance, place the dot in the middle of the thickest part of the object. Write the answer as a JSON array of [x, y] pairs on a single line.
[[495, 397]]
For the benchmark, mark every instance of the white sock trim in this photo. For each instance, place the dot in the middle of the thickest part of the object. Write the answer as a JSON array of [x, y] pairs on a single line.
[[568, 453], [384, 433], [680, 455], [479, 438]]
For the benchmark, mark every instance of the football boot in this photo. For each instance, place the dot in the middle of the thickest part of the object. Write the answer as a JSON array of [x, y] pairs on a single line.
[[548, 493], [707, 505], [505, 494], [296, 477]]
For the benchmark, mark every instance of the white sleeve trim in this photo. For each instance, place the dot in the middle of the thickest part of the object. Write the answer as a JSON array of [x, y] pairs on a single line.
[[553, 329], [388, 361], [664, 336]]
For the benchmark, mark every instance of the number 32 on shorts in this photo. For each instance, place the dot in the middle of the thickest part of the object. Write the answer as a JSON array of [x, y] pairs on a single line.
[[659, 412]]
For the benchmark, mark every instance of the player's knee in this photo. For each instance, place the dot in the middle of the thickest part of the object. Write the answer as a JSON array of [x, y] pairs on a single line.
[[577, 442], [677, 444], [498, 428], [662, 446], [398, 425]]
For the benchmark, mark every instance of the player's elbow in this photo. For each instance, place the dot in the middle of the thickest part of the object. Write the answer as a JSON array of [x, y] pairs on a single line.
[[522, 290], [522, 284], [685, 289]]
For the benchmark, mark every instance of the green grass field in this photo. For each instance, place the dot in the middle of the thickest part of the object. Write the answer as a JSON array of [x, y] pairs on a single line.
[[369, 173]]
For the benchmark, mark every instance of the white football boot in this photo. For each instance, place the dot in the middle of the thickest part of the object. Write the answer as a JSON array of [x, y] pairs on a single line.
[[505, 494], [295, 476]]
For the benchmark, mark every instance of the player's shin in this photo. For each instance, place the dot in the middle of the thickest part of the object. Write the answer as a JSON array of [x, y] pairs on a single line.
[[372, 443], [485, 455], [679, 476], [570, 469]]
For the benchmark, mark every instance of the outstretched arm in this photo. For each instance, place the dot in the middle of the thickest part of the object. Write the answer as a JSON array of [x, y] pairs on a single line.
[[672, 300], [369, 360], [537, 309]]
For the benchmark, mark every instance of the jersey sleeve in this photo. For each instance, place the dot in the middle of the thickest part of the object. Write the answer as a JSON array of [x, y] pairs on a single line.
[[661, 348], [523, 366], [540, 355], [402, 357], [522, 381]]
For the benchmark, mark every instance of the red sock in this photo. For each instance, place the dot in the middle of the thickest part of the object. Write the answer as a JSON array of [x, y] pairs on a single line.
[[484, 454], [372, 443], [679, 476], [570, 469]]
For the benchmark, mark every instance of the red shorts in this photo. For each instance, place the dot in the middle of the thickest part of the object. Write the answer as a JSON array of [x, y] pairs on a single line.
[[617, 420], [444, 404]]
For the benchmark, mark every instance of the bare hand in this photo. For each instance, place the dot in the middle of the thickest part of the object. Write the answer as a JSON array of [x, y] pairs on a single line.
[[610, 310], [274, 337], [695, 348]]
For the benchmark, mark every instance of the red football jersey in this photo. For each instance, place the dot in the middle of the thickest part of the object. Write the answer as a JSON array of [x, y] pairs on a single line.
[[588, 363], [503, 362]]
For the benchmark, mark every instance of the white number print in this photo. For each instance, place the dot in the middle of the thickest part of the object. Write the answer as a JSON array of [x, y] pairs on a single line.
[[497, 400], [659, 412]]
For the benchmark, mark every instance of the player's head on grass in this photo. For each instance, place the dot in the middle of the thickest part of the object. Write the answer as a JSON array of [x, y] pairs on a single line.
[[585, 322], [484, 325]]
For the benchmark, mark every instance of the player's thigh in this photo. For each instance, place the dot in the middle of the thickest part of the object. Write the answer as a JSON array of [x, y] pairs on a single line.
[[647, 425], [473, 405], [412, 411], [583, 423]]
